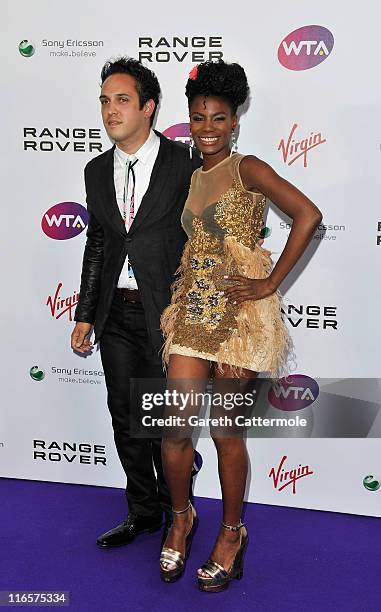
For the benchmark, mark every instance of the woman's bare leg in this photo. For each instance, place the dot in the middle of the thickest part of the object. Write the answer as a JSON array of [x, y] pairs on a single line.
[[232, 469], [184, 374]]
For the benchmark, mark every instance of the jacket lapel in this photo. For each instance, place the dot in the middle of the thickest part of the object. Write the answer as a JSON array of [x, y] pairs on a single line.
[[108, 190], [159, 176]]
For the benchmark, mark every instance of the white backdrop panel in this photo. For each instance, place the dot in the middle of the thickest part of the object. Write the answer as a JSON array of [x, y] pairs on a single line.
[[338, 99]]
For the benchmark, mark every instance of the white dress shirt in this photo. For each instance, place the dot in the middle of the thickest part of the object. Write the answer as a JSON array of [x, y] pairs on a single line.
[[146, 157]]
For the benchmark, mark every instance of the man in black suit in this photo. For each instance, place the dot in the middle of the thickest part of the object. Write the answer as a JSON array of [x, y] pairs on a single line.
[[135, 195]]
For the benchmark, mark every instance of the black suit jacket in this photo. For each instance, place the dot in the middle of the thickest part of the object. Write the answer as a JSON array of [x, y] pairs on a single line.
[[154, 242]]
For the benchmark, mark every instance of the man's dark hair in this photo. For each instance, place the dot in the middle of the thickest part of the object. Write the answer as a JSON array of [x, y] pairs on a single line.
[[147, 85], [220, 79]]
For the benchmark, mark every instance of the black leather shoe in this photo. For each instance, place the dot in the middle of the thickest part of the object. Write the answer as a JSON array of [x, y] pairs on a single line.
[[127, 531]]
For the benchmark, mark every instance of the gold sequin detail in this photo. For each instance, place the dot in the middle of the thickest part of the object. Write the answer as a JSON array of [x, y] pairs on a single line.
[[241, 214], [204, 320], [201, 240], [208, 319]]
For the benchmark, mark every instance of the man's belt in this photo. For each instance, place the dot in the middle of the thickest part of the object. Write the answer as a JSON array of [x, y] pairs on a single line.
[[129, 295]]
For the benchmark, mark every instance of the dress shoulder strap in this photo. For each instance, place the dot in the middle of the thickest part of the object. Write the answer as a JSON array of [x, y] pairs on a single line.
[[235, 162]]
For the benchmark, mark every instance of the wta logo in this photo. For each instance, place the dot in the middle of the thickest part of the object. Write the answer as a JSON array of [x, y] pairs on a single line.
[[294, 392], [305, 47], [179, 131], [64, 220]]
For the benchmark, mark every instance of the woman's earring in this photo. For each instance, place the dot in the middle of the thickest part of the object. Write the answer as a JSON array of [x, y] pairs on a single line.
[[191, 144], [233, 144]]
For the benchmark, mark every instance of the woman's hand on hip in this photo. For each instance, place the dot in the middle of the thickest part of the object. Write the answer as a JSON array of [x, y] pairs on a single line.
[[243, 289]]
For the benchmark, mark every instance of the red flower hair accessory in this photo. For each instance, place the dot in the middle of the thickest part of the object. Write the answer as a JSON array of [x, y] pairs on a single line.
[[193, 73]]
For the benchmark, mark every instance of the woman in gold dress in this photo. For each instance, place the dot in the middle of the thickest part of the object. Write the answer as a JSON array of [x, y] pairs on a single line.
[[225, 316]]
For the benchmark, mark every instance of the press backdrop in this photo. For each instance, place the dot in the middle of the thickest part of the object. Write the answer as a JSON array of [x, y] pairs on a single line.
[[314, 108]]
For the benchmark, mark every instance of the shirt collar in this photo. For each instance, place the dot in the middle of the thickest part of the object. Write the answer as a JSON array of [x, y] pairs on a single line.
[[141, 154]]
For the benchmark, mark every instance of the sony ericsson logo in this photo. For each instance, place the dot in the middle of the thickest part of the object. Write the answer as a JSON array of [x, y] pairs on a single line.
[[265, 232], [64, 220], [305, 47], [294, 392], [37, 373], [179, 131], [371, 483], [27, 48]]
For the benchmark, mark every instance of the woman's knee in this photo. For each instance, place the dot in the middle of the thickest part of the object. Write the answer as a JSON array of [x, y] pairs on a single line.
[[225, 444], [177, 445]]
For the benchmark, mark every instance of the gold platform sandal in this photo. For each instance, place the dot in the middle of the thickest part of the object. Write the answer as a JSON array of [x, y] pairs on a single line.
[[219, 578], [168, 555]]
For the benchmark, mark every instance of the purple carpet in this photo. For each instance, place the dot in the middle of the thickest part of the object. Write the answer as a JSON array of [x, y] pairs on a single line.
[[296, 560]]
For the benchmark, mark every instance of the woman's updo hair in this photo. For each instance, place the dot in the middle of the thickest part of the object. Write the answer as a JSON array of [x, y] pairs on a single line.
[[220, 79]]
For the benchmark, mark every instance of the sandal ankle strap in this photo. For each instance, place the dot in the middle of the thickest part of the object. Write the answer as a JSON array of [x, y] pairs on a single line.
[[182, 511], [233, 527]]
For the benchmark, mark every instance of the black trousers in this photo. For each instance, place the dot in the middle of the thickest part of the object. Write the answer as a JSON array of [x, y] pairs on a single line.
[[127, 353]]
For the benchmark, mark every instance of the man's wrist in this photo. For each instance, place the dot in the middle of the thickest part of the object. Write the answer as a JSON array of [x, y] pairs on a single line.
[[83, 323]]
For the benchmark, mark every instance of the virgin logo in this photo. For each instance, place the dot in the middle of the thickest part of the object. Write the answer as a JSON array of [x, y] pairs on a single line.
[[60, 305], [305, 47], [295, 148], [282, 477]]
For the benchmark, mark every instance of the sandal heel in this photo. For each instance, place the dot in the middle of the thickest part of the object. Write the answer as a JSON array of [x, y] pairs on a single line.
[[168, 555], [220, 578], [190, 537]]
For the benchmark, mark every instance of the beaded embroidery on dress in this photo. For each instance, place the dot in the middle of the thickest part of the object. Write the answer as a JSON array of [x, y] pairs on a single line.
[[223, 222]]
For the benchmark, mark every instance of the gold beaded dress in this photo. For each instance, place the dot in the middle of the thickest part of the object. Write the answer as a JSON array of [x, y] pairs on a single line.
[[223, 222]]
